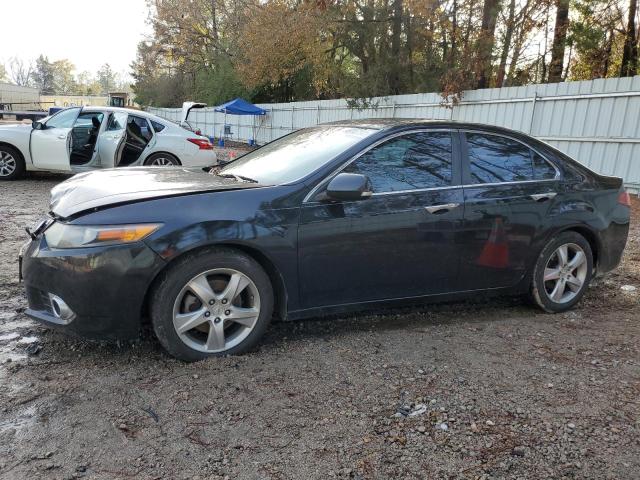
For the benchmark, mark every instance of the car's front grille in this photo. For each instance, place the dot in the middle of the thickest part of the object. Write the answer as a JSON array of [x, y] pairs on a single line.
[[39, 300]]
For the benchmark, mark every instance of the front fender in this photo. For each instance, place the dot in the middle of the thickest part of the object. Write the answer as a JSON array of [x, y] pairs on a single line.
[[17, 136]]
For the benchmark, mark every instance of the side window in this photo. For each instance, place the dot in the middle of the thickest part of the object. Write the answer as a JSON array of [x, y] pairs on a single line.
[[410, 162], [63, 119], [543, 169], [86, 119], [157, 126], [117, 121], [496, 159], [138, 127]]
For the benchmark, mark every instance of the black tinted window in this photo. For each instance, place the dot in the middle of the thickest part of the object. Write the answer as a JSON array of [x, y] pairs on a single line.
[[138, 127], [414, 161], [542, 169], [495, 159], [158, 127]]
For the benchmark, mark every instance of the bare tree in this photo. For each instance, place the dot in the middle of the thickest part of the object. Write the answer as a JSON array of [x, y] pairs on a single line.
[[486, 41], [19, 72], [630, 53], [506, 44], [559, 41]]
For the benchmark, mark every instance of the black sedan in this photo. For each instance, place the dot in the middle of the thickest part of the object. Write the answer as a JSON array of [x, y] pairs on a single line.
[[335, 218]]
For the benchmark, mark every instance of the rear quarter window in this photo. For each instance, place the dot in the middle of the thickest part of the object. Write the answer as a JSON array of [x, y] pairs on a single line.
[[157, 126]]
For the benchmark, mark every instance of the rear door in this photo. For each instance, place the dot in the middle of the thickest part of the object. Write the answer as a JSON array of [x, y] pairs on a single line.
[[398, 243], [111, 141], [51, 146], [510, 191], [139, 139]]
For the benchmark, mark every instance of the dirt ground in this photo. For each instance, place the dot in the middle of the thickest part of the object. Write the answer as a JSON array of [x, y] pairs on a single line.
[[458, 391]]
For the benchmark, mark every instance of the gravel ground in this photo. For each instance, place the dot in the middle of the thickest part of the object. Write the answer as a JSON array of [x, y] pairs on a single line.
[[474, 390]]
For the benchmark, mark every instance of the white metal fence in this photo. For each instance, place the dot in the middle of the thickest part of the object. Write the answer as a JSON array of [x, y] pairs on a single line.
[[596, 122]]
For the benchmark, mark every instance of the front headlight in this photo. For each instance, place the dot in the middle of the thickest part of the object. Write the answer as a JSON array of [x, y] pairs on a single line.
[[60, 235]]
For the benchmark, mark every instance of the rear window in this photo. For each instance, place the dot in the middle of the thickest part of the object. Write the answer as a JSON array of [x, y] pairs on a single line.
[[157, 127]]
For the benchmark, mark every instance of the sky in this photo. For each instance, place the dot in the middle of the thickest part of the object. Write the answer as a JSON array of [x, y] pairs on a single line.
[[87, 32]]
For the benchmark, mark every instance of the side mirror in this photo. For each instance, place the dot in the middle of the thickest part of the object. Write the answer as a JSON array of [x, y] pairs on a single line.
[[36, 125], [349, 186]]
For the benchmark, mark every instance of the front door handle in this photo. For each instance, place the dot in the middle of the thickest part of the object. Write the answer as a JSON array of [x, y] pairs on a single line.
[[543, 197], [62, 137], [444, 208]]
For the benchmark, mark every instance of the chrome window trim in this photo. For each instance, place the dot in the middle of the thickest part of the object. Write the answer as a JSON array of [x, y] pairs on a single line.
[[476, 185], [400, 192], [544, 157], [307, 198]]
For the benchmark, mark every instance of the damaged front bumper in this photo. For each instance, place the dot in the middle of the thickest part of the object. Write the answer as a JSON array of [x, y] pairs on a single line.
[[95, 292]]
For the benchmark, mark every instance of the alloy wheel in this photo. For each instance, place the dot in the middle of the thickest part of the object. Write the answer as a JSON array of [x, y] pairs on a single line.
[[161, 162], [565, 273], [216, 310], [7, 164]]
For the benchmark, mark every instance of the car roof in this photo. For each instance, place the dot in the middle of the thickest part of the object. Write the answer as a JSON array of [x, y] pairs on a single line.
[[394, 123], [132, 111]]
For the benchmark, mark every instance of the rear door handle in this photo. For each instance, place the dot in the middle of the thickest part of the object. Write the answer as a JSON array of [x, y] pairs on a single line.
[[543, 197], [62, 137], [437, 209]]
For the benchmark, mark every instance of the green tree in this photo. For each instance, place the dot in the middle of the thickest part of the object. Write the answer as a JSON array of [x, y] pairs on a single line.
[[106, 78], [43, 76], [64, 82]]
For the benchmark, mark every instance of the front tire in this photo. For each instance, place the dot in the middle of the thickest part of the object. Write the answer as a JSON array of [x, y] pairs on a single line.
[[12, 164], [212, 303], [562, 272]]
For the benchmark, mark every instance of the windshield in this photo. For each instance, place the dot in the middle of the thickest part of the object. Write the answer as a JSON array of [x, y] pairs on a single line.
[[293, 157]]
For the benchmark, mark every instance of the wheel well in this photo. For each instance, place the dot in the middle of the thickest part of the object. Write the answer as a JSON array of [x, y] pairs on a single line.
[[589, 237], [163, 153], [279, 290], [14, 148]]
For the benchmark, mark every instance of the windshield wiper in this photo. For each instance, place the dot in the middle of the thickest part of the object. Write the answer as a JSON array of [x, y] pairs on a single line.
[[239, 178]]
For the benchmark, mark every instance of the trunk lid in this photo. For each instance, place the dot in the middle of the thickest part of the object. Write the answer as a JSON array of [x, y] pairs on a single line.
[[186, 109]]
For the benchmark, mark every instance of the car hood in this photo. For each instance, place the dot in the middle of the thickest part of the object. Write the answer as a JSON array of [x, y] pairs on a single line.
[[93, 190]]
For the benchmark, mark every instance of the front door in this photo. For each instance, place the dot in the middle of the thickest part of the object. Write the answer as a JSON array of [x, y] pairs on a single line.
[[110, 143], [398, 243], [510, 191], [51, 145]]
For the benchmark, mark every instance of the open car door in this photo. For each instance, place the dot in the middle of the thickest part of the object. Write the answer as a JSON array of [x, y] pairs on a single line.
[[50, 142], [111, 142]]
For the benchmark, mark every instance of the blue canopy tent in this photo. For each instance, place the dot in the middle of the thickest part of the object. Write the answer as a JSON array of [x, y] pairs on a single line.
[[238, 106]]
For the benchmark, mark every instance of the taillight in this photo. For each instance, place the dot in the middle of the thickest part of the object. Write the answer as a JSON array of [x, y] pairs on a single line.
[[624, 199], [203, 144]]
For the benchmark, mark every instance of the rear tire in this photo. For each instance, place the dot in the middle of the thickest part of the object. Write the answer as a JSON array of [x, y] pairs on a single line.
[[562, 272], [12, 164], [161, 160], [215, 302]]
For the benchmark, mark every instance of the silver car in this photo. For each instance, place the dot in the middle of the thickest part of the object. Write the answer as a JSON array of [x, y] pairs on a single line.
[[78, 139]]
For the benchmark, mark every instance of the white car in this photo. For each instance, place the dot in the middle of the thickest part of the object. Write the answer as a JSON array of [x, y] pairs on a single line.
[[78, 139]]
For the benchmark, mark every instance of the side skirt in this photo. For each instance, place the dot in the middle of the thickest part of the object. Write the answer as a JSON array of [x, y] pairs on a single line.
[[402, 302]]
